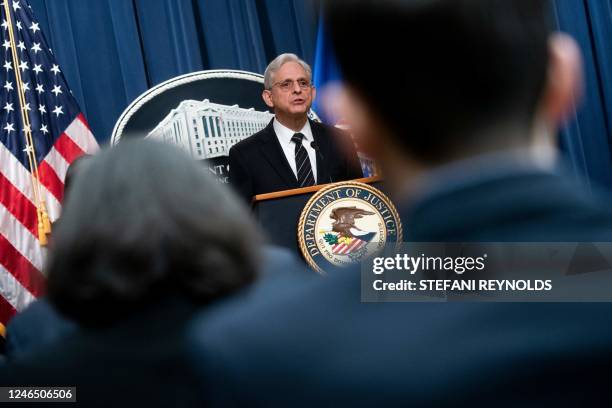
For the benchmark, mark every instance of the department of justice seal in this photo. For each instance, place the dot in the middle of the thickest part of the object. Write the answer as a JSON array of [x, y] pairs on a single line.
[[345, 223]]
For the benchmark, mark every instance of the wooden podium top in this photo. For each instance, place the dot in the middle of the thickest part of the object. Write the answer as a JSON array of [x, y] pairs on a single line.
[[306, 190]]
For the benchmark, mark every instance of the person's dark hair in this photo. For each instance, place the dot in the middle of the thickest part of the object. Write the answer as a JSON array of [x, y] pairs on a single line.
[[144, 221], [437, 72]]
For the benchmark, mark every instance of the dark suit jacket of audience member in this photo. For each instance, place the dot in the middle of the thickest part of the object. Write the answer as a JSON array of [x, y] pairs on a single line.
[[38, 325], [313, 343], [140, 361], [258, 164]]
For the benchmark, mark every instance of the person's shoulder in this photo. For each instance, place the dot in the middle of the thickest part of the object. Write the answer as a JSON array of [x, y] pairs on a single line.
[[235, 339], [520, 206], [594, 215], [286, 341], [38, 324], [274, 295], [275, 311], [335, 138], [48, 365], [323, 128], [280, 261], [582, 209], [39, 310]]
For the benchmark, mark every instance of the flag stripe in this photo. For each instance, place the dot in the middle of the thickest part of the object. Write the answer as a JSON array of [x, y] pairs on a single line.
[[66, 147], [13, 293], [85, 123], [17, 204], [343, 249], [356, 243], [14, 171], [53, 206], [339, 248], [58, 163], [81, 135], [50, 179], [359, 244], [20, 177], [20, 238], [18, 266]]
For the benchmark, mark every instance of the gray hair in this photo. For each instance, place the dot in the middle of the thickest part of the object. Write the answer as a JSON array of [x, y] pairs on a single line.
[[278, 62]]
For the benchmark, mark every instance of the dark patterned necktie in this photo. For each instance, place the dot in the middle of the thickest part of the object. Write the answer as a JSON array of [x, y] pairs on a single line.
[[302, 162]]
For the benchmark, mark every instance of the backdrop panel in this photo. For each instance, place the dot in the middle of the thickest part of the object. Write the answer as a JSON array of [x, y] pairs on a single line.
[[114, 50]]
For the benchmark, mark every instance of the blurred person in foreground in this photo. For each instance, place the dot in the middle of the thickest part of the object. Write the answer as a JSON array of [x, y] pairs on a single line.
[[465, 130], [146, 239], [40, 323]]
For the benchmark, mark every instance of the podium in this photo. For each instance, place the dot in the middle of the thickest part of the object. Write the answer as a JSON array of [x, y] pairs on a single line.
[[278, 213]]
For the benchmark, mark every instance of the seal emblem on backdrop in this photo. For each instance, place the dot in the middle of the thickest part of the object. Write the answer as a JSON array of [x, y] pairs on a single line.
[[204, 113], [345, 223]]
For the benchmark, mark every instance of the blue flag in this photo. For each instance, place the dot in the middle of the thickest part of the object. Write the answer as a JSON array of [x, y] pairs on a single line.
[[327, 71]]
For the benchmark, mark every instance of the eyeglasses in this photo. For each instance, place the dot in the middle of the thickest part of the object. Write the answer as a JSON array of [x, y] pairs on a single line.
[[289, 84]]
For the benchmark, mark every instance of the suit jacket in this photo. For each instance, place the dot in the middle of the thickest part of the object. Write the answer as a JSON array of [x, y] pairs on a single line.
[[258, 164], [35, 327], [139, 361], [313, 343], [40, 325], [142, 359]]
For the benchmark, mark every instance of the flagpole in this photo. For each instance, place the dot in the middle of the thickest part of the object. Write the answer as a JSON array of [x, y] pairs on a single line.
[[44, 225]]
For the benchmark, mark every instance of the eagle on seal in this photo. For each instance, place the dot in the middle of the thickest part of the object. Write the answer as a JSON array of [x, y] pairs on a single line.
[[344, 219]]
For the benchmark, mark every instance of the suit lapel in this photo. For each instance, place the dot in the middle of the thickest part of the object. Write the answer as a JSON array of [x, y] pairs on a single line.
[[273, 152], [321, 157]]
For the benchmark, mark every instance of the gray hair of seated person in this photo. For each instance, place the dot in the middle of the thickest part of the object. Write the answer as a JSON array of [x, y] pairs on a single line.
[[144, 221]]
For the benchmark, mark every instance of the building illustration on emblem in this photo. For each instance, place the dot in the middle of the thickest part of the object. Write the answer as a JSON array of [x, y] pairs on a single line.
[[207, 130]]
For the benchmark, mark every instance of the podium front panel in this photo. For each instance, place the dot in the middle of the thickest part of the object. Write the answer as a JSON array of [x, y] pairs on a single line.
[[279, 217]]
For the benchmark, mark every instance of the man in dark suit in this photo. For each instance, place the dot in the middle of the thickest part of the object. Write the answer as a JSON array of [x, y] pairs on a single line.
[[465, 132], [292, 151]]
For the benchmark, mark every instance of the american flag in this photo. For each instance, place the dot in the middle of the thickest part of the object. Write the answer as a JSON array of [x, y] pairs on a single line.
[[35, 97]]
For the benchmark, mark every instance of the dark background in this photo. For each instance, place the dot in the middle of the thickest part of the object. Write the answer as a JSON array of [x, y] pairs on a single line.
[[111, 51]]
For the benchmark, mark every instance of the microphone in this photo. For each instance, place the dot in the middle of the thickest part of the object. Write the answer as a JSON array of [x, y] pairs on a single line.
[[315, 146]]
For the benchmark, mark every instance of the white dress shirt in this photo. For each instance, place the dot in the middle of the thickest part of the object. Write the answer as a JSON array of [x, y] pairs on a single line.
[[284, 135]]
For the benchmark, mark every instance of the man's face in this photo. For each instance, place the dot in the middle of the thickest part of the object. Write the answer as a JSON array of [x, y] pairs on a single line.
[[292, 93]]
